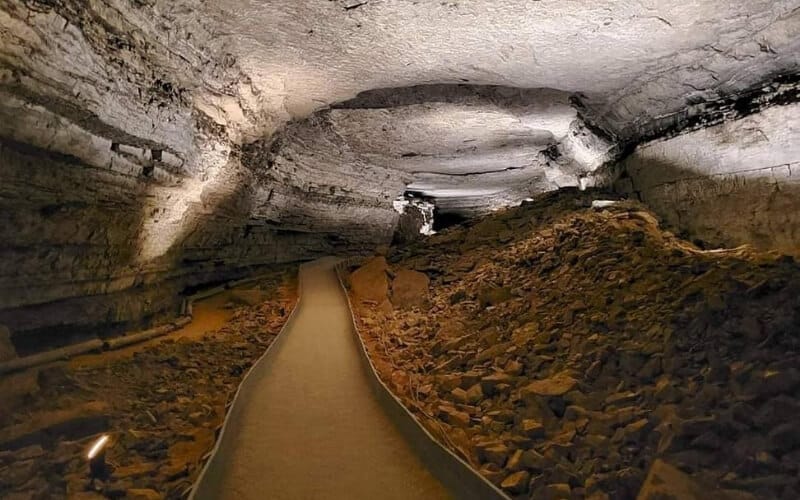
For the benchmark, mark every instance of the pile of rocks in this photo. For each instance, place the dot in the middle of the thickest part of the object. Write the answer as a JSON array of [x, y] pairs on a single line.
[[572, 352], [162, 406]]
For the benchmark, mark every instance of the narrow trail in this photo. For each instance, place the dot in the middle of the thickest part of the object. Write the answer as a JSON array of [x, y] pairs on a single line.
[[306, 424]]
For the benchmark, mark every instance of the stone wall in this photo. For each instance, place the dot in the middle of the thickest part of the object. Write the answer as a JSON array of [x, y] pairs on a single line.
[[127, 181], [731, 184]]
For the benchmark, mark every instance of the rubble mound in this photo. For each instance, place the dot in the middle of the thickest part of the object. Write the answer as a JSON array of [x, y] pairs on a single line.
[[567, 348], [162, 406]]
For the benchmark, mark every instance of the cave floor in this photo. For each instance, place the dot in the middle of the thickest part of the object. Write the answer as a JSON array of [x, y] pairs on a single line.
[[160, 401], [308, 425]]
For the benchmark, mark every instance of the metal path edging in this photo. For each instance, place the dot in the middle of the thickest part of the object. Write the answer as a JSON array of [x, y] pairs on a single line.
[[456, 474], [212, 468]]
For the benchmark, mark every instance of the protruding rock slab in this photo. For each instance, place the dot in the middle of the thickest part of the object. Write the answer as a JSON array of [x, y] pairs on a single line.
[[665, 482], [557, 385], [410, 289], [85, 420], [369, 282]]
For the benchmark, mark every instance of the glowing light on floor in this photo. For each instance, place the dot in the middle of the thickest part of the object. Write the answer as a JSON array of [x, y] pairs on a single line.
[[98, 446]]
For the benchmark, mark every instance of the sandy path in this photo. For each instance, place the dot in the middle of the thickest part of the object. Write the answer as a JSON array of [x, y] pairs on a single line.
[[306, 425]]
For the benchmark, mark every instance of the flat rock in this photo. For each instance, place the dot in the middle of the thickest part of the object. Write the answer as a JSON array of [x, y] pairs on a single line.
[[410, 289], [369, 282], [516, 483], [664, 481], [557, 385]]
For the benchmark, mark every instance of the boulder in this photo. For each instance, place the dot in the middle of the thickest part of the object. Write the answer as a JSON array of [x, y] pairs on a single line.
[[557, 385], [665, 481], [369, 282], [410, 289], [492, 295], [516, 483]]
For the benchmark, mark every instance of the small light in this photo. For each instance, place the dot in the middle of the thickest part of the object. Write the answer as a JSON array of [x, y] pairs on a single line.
[[603, 203], [97, 459], [98, 446]]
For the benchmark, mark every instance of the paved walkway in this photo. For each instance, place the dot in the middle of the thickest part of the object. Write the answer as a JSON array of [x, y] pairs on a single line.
[[306, 425]]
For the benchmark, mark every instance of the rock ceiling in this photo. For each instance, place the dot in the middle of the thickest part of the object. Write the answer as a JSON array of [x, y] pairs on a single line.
[[625, 64], [185, 142], [477, 104]]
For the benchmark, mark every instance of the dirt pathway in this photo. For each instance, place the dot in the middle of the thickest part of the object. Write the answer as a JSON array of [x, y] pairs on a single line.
[[306, 425]]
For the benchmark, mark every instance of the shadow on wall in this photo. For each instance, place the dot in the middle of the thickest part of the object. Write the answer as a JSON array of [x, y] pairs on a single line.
[[71, 265], [67, 240], [759, 207]]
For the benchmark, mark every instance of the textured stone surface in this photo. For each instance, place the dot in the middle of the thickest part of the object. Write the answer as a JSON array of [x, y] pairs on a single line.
[[728, 185], [369, 282], [618, 344], [410, 289], [148, 148], [163, 402]]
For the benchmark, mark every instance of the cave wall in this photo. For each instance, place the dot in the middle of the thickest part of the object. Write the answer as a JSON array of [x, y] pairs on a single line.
[[730, 184], [131, 174], [152, 147]]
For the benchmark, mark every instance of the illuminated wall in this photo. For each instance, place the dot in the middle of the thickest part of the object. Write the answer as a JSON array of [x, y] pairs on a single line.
[[727, 185]]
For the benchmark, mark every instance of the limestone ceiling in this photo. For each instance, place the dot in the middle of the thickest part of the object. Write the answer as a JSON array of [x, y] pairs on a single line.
[[626, 62], [476, 103]]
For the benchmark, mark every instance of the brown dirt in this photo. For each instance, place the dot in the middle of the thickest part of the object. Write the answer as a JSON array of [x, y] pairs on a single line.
[[161, 401], [567, 348]]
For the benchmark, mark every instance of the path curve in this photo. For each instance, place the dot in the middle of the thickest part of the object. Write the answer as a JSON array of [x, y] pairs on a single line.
[[306, 424]]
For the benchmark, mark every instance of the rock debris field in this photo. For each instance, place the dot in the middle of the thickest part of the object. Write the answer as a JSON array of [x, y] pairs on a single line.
[[571, 352], [162, 405]]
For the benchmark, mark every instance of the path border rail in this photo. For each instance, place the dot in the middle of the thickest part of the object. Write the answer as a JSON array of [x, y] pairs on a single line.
[[455, 474], [212, 469]]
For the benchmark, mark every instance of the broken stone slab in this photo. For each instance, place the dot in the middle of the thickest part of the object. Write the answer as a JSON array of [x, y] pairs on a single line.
[[410, 289], [557, 385], [556, 491], [497, 454], [454, 417], [665, 481], [517, 482], [369, 282], [75, 423], [143, 494], [474, 394], [490, 383], [532, 429]]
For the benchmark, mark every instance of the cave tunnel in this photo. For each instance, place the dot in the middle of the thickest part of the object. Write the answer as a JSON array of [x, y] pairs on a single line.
[[380, 249]]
